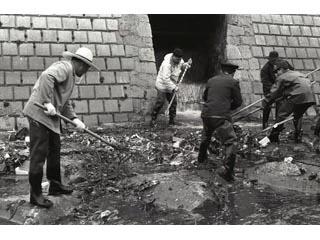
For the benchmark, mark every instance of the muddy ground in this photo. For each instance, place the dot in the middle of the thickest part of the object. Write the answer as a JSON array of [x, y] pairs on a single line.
[[158, 181]]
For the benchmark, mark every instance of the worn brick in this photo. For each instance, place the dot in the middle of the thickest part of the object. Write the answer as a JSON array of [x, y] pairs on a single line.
[[69, 23], [75, 93], [39, 22], [13, 78], [7, 21], [297, 19], [276, 18], [103, 50], [48, 61], [303, 41], [117, 91], [314, 42], [146, 54], [244, 50], [247, 40], [109, 37], [72, 47], [121, 117], [112, 24], [2, 78], [23, 21], [306, 31], [92, 78], [316, 20], [281, 51], [21, 93], [100, 62], [42, 49], [29, 78], [105, 118], [301, 53], [308, 64], [312, 53], [54, 23], [256, 17], [36, 63], [255, 28], [256, 51], [7, 123], [298, 64], [102, 91], [235, 30], [109, 77], [260, 40], [26, 49], [99, 24], [33, 35], [90, 120], [271, 40], [95, 37], [96, 106], [50, 36], [287, 19], [17, 35], [65, 36], [6, 93], [19, 63], [293, 41], [81, 106], [132, 51], [315, 31], [80, 36], [22, 122], [263, 29], [126, 105], [274, 29], [257, 87], [284, 30], [117, 50], [295, 30], [127, 63], [111, 105], [266, 18], [57, 49], [86, 91], [10, 48], [308, 20], [113, 64], [282, 40], [84, 24], [5, 63], [291, 52], [122, 77], [4, 35]]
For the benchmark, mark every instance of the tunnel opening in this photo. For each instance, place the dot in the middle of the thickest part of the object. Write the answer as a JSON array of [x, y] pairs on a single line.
[[201, 36]]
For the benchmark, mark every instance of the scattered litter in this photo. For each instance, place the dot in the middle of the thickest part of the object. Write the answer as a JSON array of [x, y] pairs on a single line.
[[288, 159], [176, 142], [45, 187], [19, 171], [264, 142]]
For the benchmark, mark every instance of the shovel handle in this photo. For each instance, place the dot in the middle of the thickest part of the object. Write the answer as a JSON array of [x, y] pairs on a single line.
[[85, 129]]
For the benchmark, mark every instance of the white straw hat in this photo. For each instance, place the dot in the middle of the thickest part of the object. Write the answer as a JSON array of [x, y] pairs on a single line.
[[84, 54]]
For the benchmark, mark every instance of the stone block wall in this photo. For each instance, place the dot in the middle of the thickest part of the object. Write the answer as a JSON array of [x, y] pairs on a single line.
[[121, 44]]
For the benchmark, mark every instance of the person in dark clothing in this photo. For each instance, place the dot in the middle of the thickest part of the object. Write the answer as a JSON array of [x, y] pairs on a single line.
[[222, 94], [268, 78], [295, 90]]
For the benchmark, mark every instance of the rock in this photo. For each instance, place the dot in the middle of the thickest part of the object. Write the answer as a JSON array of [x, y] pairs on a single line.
[[299, 149]]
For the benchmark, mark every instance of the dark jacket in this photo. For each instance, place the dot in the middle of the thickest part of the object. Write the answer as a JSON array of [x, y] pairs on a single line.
[[294, 85], [222, 94]]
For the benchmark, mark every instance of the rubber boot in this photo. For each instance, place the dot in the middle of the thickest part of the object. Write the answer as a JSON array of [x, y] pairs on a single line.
[[36, 198], [202, 157], [298, 133], [57, 188]]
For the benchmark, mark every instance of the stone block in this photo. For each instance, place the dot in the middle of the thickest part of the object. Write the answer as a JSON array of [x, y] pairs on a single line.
[[127, 63], [126, 105], [266, 18], [39, 22], [263, 29], [48, 61], [282, 40], [255, 28], [256, 17], [308, 64], [291, 53], [9, 48], [13, 78], [233, 30], [81, 106], [148, 67], [122, 77], [54, 22], [96, 106], [295, 30], [92, 78], [284, 30], [111, 106], [306, 31], [80, 36], [256, 51], [95, 37], [293, 41], [84, 24], [6, 93], [17, 35], [271, 40], [90, 120], [105, 118], [316, 20], [69, 23], [312, 53], [315, 31], [72, 47], [245, 51], [131, 51], [287, 19], [50, 36], [86, 92], [121, 117], [276, 18], [301, 53], [4, 35], [117, 50], [23, 22], [19, 63], [57, 49], [5, 63], [281, 51], [2, 78], [254, 63], [21, 93], [103, 50], [102, 91], [298, 64], [109, 37], [36, 63], [26, 49], [117, 91], [7, 20], [313, 42], [113, 64], [146, 54], [42, 49], [99, 24], [109, 77], [245, 87], [112, 24], [29, 78], [308, 20], [260, 40], [100, 62], [257, 87], [65, 36], [247, 40], [297, 19]]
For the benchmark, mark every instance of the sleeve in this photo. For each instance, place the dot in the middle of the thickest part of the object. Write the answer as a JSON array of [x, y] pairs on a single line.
[[236, 96], [277, 90], [68, 111], [165, 75], [266, 81]]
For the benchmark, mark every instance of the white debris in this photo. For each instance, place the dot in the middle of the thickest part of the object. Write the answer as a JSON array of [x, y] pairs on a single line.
[[264, 142], [20, 171], [288, 159]]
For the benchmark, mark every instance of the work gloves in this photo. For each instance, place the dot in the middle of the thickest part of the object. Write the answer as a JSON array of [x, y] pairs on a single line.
[[79, 124], [51, 110]]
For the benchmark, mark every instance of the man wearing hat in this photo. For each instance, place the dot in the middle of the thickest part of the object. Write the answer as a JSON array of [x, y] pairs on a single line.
[[53, 89], [296, 91], [268, 78], [222, 94], [166, 83]]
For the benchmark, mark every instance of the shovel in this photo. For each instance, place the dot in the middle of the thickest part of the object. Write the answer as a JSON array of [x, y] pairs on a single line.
[[118, 147], [175, 92]]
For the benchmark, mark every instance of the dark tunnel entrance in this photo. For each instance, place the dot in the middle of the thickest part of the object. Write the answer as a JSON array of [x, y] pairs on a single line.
[[201, 36]]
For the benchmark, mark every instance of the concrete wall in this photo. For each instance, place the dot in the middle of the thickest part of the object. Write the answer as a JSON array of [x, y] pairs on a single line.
[[121, 44]]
